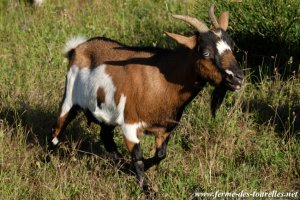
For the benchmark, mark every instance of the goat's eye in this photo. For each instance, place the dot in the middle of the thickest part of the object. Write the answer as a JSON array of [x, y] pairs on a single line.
[[205, 54]]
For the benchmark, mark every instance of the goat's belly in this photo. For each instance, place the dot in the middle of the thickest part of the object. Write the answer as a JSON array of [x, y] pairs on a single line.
[[82, 87], [109, 112]]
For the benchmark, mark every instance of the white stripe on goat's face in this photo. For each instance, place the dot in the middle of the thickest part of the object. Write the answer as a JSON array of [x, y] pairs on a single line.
[[222, 46], [81, 89], [229, 72]]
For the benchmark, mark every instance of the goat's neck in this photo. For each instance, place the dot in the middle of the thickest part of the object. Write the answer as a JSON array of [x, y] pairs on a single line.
[[179, 69]]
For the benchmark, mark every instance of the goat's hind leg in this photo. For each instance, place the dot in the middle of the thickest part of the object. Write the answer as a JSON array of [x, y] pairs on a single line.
[[59, 127], [68, 110]]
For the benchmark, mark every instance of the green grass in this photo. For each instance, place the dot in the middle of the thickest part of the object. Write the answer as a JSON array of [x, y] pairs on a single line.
[[252, 145], [264, 31]]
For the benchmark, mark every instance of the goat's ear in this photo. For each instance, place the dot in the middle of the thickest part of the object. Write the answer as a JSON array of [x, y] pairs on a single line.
[[189, 42], [217, 99], [223, 20]]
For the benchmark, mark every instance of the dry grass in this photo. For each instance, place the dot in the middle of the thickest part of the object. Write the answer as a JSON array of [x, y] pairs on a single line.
[[252, 145]]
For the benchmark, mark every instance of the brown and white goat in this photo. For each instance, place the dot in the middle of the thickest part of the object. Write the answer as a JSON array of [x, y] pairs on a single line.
[[145, 90]]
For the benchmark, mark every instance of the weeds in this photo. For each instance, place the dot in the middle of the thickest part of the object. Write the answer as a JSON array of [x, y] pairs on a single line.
[[252, 145]]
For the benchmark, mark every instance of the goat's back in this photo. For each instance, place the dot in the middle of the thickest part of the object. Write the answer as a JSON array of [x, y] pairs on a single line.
[[136, 73]]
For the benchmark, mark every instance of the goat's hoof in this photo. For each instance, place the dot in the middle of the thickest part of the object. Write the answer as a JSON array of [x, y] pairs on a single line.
[[145, 188], [115, 156], [46, 158], [150, 192]]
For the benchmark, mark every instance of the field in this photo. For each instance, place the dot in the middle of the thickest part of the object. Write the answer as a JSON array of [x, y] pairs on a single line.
[[253, 144]]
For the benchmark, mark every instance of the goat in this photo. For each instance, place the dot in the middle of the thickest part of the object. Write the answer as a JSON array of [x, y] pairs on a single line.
[[145, 90]]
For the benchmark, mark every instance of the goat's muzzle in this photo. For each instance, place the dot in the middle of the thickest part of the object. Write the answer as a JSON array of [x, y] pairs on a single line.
[[234, 80]]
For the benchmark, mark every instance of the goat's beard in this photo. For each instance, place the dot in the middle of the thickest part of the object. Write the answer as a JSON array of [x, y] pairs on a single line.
[[217, 98]]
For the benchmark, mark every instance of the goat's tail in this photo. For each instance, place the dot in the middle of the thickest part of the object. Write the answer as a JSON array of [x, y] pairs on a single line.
[[72, 44]]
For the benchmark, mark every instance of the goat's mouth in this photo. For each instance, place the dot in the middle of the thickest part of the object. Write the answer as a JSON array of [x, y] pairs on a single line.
[[233, 79], [234, 87], [234, 84]]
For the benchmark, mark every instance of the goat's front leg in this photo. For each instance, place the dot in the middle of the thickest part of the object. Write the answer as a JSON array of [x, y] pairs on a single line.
[[161, 142], [137, 162]]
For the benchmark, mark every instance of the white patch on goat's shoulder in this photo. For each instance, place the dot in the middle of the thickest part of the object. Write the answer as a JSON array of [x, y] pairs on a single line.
[[222, 46], [73, 43], [81, 89], [229, 72], [130, 131]]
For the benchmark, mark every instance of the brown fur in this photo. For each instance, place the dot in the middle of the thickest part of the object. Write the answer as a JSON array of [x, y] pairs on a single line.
[[94, 52], [128, 144], [227, 59], [157, 84], [145, 85], [145, 82], [100, 95], [59, 124], [209, 72], [63, 121], [160, 139]]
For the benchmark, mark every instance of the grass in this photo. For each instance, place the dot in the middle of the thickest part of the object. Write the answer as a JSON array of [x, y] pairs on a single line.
[[252, 145], [266, 31]]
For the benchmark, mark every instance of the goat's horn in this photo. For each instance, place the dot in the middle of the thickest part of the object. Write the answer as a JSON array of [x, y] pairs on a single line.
[[199, 25], [213, 19]]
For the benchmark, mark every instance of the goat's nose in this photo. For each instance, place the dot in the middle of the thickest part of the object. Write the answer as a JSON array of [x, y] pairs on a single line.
[[240, 78]]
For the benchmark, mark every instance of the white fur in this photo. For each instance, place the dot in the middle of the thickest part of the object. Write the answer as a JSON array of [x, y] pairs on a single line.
[[130, 131], [81, 89], [73, 43], [55, 141], [68, 102], [229, 72], [38, 2], [222, 46], [120, 108]]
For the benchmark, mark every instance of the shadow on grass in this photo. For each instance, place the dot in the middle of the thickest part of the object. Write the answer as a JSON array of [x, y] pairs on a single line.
[[285, 119], [37, 122], [269, 58], [34, 121]]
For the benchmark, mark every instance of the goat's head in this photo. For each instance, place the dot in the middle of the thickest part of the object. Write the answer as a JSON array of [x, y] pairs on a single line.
[[214, 59]]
